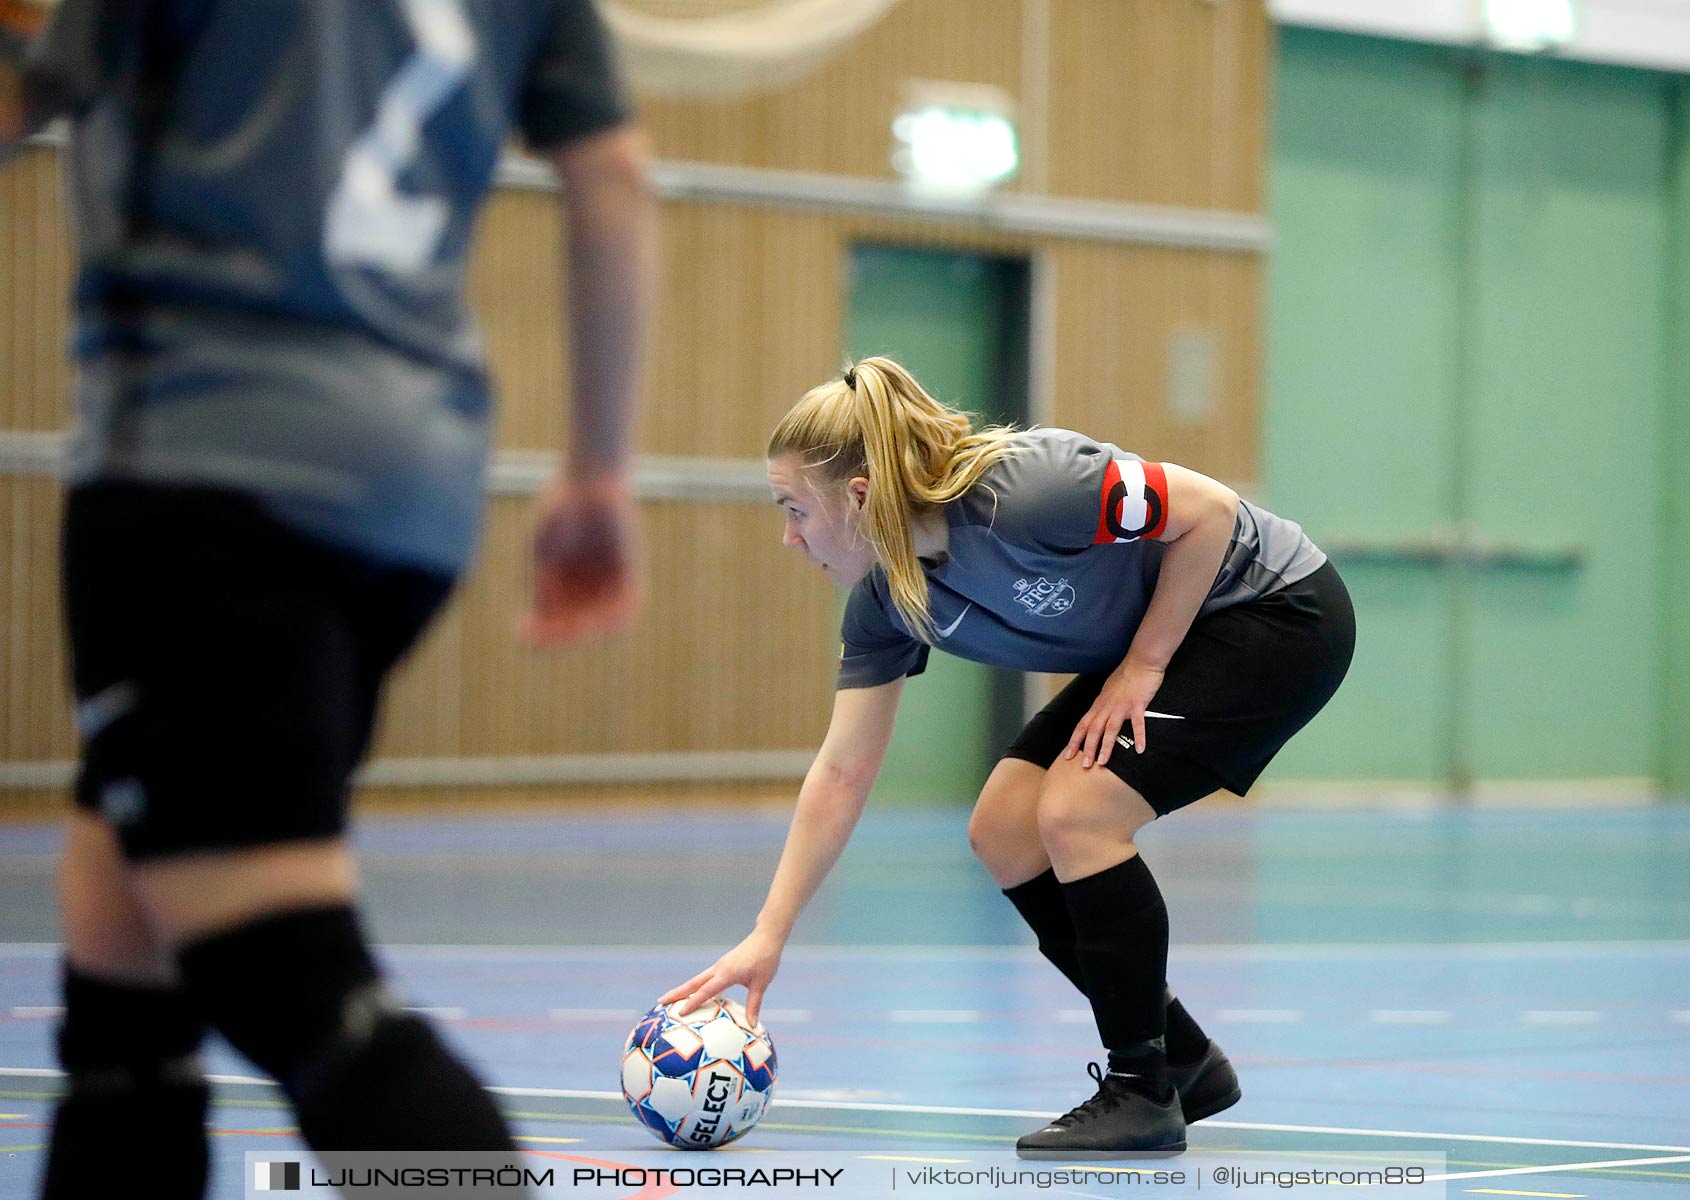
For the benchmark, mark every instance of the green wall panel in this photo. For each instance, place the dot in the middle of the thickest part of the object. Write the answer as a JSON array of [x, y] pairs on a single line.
[[947, 317], [1564, 416], [1467, 329], [1675, 458], [1361, 370]]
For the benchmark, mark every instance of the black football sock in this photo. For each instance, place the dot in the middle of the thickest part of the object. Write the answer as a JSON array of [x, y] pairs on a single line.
[[300, 995], [135, 1091], [1121, 936], [1186, 1040], [1040, 903]]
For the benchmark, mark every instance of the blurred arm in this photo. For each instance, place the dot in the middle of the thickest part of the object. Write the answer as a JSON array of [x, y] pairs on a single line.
[[586, 575], [611, 219]]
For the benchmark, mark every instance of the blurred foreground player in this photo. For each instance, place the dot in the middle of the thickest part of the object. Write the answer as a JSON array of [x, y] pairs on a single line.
[[276, 477]]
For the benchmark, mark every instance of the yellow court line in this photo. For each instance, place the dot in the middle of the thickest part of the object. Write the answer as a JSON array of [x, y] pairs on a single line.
[[524, 1137], [908, 1158], [13, 1116], [18, 1149], [1506, 1192]]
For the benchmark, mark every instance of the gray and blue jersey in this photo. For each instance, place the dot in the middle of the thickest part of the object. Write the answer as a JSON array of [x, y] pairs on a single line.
[[274, 201], [1051, 565]]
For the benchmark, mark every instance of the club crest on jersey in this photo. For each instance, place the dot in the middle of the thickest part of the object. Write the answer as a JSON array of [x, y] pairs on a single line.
[[1134, 502], [1043, 598]]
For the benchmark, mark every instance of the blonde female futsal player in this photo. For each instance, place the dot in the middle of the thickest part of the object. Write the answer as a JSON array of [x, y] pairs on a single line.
[[1204, 630]]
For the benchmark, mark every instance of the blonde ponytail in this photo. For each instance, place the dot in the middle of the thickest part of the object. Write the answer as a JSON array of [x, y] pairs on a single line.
[[916, 453]]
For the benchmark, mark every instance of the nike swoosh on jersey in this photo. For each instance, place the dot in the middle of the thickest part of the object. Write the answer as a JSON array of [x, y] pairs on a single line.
[[951, 628]]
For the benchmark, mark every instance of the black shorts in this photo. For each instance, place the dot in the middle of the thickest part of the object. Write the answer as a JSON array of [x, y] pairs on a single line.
[[226, 669], [1241, 683]]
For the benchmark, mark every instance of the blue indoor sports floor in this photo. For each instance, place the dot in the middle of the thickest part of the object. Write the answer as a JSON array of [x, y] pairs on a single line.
[[1508, 988]]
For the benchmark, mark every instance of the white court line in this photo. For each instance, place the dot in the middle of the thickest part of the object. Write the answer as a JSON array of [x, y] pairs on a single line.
[[933, 1016], [443, 1014], [1681, 1016], [31, 1011], [1410, 1016], [1549, 1016], [1259, 1016], [1555, 1167], [953, 1111]]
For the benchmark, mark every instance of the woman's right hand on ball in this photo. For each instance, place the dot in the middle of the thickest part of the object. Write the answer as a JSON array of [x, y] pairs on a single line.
[[753, 963]]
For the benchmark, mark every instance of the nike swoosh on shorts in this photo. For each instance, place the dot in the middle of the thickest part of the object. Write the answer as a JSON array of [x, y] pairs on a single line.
[[1126, 743]]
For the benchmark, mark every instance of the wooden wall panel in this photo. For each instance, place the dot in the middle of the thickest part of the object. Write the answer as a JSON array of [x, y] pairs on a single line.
[[35, 720], [1159, 101], [1149, 101], [35, 276], [839, 120], [751, 319], [1116, 308], [735, 651], [516, 285]]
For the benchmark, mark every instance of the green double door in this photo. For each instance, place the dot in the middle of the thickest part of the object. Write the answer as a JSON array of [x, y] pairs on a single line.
[[959, 322], [1468, 385]]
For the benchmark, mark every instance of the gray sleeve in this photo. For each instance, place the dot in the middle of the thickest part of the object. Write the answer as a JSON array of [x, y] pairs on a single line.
[[72, 61], [873, 650], [1050, 495], [573, 86]]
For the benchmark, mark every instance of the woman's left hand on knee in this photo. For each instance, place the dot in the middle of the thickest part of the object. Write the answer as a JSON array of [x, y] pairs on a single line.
[[1122, 701]]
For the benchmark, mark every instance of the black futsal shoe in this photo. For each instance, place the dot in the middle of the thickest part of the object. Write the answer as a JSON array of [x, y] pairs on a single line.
[[1207, 1086], [1122, 1121]]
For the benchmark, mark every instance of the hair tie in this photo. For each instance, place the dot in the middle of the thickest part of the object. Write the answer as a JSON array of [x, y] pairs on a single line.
[[851, 378]]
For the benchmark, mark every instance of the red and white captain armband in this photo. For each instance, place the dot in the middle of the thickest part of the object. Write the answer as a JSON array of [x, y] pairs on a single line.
[[1134, 502]]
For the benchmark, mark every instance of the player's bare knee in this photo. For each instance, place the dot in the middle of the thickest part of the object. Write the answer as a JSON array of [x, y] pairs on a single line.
[[1064, 822], [982, 839], [989, 834], [1008, 850], [1080, 809], [194, 895], [105, 929]]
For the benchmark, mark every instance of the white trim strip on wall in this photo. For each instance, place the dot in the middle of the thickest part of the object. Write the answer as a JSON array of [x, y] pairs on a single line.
[[1003, 212], [846, 195], [517, 770], [511, 473], [25, 452], [524, 472]]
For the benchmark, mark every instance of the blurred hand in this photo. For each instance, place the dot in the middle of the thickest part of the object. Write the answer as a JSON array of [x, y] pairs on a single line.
[[586, 574], [753, 963], [1125, 695]]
